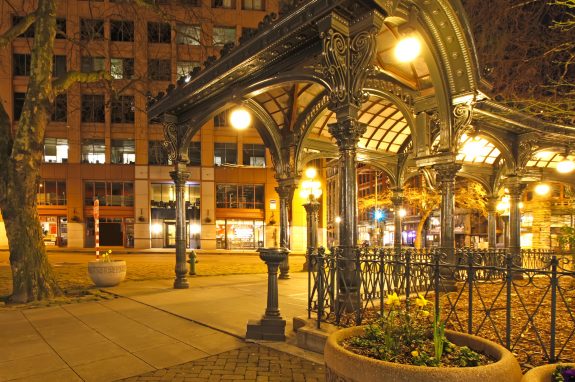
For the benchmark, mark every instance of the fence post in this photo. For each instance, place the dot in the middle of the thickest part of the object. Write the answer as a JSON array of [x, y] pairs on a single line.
[[554, 283], [359, 278], [470, 278], [509, 281], [381, 263], [320, 287], [311, 260], [407, 278]]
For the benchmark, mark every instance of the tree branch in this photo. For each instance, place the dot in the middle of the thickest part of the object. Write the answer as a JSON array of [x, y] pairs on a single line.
[[62, 84], [17, 29]]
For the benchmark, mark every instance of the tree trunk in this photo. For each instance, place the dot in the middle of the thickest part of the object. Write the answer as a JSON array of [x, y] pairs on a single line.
[[418, 239], [32, 276]]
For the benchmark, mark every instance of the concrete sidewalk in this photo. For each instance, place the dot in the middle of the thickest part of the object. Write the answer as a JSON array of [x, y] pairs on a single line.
[[153, 332]]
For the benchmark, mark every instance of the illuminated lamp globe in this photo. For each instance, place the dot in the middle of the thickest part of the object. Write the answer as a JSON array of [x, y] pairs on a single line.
[[337, 219], [310, 172], [542, 189], [407, 49], [565, 166], [402, 213], [240, 118]]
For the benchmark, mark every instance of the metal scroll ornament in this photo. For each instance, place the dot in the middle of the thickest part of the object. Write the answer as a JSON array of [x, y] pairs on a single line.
[[172, 141], [346, 61]]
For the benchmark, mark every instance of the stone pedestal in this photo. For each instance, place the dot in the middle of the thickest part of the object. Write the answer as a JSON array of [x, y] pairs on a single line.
[[271, 326]]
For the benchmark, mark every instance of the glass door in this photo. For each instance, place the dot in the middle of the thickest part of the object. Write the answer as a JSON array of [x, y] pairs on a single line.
[[170, 234]]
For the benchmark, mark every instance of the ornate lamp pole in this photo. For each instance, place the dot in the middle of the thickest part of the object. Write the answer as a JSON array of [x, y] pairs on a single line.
[[311, 190]]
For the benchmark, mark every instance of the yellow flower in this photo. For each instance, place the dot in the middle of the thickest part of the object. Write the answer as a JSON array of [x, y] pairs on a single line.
[[424, 313], [415, 353], [392, 299], [421, 301]]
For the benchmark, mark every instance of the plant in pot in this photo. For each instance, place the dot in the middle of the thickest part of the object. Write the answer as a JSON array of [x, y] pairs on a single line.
[[412, 345], [551, 373], [106, 272]]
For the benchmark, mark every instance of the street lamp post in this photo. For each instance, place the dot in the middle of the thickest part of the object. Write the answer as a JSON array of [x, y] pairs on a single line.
[[311, 190]]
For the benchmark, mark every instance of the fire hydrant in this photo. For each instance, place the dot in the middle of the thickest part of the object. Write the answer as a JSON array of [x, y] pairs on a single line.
[[192, 260]]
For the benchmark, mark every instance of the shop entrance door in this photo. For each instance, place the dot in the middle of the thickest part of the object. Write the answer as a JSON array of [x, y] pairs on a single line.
[[170, 235]]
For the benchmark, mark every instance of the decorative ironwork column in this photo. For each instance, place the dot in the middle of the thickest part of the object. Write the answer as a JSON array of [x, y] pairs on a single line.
[[348, 50], [285, 192], [515, 188], [178, 153], [492, 221], [446, 173], [180, 176], [397, 200]]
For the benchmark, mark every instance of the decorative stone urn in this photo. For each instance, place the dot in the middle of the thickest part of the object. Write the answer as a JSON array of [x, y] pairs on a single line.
[[542, 373], [345, 366], [107, 273]]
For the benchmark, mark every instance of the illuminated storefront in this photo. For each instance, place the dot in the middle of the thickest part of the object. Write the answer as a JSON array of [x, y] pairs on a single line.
[[239, 234]]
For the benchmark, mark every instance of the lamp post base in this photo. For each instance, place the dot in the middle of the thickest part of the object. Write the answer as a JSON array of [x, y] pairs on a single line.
[[272, 329]]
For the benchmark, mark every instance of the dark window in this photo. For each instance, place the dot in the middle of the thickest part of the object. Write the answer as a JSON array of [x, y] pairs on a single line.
[[221, 119], [19, 99], [91, 29], [92, 64], [121, 30], [256, 5], [225, 153], [254, 155], [109, 193], [59, 69], [192, 3], [51, 193], [160, 70], [60, 110], [122, 68], [21, 64], [93, 108], [29, 32], [157, 155], [60, 28], [123, 152], [240, 196], [159, 33], [223, 4], [123, 109], [195, 154]]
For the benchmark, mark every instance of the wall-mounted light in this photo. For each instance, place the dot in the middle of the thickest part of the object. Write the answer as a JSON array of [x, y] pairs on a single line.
[[407, 49], [157, 228], [542, 189], [240, 118]]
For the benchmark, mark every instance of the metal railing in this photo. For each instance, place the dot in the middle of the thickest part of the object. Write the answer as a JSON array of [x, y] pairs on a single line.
[[512, 299]]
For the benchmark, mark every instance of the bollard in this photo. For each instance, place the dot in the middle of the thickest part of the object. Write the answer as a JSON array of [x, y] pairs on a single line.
[[271, 326], [192, 260]]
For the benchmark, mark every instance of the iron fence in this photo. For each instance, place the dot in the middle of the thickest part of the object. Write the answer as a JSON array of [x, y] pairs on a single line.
[[525, 301]]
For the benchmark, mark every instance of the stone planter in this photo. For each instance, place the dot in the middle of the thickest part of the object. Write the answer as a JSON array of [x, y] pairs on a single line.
[[542, 373], [107, 274], [343, 365]]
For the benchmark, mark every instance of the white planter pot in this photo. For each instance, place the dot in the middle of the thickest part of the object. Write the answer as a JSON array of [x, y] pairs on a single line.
[[106, 274]]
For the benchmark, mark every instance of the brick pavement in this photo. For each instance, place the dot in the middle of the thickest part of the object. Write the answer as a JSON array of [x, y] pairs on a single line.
[[252, 362]]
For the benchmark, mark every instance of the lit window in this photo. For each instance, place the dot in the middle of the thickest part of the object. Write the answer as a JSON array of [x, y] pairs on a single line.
[[123, 152], [55, 150], [188, 34], [256, 5], [254, 155], [223, 35], [93, 151], [122, 68]]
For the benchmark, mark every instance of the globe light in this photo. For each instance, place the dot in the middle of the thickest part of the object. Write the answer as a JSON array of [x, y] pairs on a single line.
[[407, 49], [402, 213], [542, 189], [565, 166], [310, 172], [240, 118], [337, 219], [195, 229], [157, 228]]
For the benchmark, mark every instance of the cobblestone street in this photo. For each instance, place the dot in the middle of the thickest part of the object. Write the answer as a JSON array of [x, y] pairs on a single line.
[[250, 363]]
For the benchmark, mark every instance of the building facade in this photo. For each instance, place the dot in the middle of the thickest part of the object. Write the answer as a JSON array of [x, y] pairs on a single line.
[[100, 144]]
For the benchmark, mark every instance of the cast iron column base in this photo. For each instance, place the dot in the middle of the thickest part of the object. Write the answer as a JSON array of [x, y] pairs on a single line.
[[271, 326]]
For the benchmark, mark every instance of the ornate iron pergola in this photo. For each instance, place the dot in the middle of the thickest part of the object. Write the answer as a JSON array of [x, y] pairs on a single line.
[[322, 81]]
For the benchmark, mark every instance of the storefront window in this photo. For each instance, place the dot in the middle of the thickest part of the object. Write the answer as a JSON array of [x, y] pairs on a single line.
[[249, 196], [239, 234]]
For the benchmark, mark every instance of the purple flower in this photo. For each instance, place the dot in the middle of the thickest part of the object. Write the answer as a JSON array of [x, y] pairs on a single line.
[[568, 375]]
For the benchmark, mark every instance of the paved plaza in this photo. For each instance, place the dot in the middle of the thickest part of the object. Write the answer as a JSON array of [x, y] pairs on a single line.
[[147, 331]]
